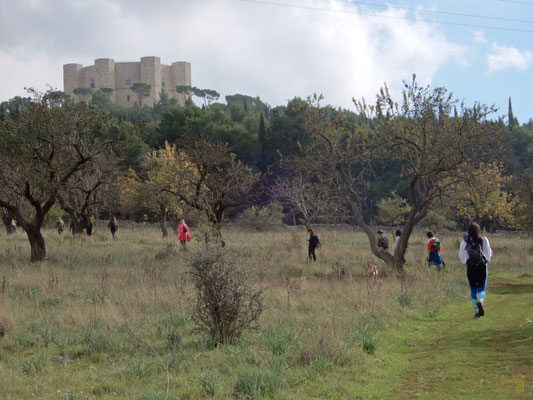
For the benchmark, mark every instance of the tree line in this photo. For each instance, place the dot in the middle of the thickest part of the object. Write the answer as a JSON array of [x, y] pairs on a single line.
[[426, 158]]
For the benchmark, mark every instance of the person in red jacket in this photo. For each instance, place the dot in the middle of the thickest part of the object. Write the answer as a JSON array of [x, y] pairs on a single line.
[[183, 233]]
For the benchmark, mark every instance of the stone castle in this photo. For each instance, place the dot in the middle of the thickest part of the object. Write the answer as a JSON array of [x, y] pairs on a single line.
[[120, 76]]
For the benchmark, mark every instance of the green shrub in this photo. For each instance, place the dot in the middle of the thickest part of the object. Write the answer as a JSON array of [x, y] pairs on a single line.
[[261, 219], [209, 383], [278, 339], [256, 383], [151, 395], [33, 364], [317, 367], [141, 370], [369, 344], [405, 299]]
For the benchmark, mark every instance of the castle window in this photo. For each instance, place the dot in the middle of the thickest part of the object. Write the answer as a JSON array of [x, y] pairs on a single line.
[[92, 84], [163, 84], [128, 81], [128, 98]]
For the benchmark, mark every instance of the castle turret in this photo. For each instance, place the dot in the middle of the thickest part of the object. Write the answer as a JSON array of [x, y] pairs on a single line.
[[71, 77], [105, 74], [181, 76], [151, 75]]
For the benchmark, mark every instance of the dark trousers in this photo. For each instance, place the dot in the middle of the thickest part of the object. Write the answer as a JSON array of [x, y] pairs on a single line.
[[311, 253]]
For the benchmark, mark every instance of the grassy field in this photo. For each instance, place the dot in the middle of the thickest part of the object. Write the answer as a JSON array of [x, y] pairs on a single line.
[[111, 319]]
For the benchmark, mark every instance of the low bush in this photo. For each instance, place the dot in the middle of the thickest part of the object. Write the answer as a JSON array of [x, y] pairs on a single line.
[[226, 301]]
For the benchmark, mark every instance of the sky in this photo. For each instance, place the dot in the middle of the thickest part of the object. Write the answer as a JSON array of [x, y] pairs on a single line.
[[343, 49]]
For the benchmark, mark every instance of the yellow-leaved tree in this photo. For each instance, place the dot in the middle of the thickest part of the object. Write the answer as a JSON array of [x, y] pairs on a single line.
[[158, 190], [482, 198], [203, 175]]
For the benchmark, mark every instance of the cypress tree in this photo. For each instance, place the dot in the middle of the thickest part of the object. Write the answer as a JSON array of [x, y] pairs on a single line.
[[262, 142], [512, 120]]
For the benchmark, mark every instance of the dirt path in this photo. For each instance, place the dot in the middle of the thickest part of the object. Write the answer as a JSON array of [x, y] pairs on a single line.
[[457, 357]]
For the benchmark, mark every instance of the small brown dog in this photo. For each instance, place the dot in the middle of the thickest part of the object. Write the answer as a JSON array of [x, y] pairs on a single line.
[[372, 271]]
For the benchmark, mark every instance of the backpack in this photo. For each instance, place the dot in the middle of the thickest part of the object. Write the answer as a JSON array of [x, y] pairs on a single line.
[[314, 241], [185, 230], [435, 245], [475, 255]]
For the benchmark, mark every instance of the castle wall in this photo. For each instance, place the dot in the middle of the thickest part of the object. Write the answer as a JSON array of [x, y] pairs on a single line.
[[120, 76], [126, 74]]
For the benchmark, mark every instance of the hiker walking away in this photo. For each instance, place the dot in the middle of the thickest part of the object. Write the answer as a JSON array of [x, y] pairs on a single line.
[[434, 257], [314, 242], [113, 226], [475, 252], [383, 242], [60, 226], [183, 233], [397, 236], [13, 226]]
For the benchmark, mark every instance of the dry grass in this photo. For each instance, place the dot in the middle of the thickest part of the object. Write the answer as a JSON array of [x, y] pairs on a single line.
[[109, 303]]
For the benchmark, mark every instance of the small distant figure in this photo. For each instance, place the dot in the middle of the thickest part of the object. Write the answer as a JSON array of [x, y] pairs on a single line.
[[71, 227], [13, 226], [372, 271], [397, 236], [60, 226], [314, 242], [434, 257], [383, 242], [475, 252], [183, 233], [113, 226], [90, 227]]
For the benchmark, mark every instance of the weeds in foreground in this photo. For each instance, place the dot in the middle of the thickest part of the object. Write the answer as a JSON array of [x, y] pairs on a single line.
[[209, 383]]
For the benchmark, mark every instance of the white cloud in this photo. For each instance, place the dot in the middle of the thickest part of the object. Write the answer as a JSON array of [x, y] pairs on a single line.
[[502, 57], [234, 47], [479, 37]]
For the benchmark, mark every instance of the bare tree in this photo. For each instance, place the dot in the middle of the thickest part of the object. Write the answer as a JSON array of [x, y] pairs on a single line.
[[89, 190], [302, 192]]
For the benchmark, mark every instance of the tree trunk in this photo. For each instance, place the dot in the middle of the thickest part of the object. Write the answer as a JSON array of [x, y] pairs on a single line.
[[79, 226], [163, 221], [38, 248]]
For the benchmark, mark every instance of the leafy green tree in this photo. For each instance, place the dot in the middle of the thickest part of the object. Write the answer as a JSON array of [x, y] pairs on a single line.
[[142, 90], [250, 104], [392, 210], [12, 107], [84, 94], [107, 91]]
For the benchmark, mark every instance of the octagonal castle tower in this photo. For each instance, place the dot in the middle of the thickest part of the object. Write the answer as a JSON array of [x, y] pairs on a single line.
[[120, 76]]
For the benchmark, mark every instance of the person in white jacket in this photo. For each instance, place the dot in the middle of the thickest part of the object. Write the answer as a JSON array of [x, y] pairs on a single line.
[[475, 252]]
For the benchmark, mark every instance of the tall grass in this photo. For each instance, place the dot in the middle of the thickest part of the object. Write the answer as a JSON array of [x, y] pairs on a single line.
[[121, 311]]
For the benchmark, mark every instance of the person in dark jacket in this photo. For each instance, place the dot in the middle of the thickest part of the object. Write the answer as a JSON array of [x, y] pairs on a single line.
[[313, 244], [89, 228], [383, 242], [113, 226]]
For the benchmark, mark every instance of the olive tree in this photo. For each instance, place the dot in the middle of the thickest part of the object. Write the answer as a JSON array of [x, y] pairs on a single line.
[[434, 146], [41, 151]]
